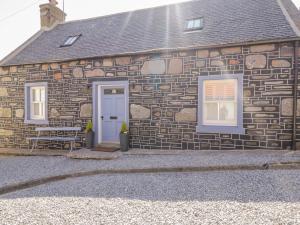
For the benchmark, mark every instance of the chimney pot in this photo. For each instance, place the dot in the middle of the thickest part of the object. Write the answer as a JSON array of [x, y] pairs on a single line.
[[53, 2]]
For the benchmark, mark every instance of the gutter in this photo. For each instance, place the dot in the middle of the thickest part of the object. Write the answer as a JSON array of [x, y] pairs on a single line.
[[295, 102]]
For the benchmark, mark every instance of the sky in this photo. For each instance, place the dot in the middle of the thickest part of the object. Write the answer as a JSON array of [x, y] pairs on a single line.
[[20, 19]]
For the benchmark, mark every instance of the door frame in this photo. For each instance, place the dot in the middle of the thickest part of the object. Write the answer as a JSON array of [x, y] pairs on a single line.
[[97, 104]]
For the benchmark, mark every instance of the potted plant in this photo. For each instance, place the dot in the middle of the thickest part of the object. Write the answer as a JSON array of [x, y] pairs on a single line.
[[89, 135], [124, 137]]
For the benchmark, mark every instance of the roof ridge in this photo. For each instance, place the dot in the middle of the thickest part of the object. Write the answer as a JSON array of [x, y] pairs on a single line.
[[288, 16], [126, 12]]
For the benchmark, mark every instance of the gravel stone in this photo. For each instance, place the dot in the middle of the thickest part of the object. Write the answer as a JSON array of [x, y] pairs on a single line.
[[19, 169], [246, 197]]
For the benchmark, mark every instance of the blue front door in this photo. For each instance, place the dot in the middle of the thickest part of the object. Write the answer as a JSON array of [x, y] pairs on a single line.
[[113, 113]]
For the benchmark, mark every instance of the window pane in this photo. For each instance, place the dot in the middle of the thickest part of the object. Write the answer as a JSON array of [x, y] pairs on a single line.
[[228, 111], [34, 95], [114, 91], [197, 23], [36, 109], [38, 94], [211, 111], [71, 40], [190, 24], [67, 42], [220, 90], [194, 23]]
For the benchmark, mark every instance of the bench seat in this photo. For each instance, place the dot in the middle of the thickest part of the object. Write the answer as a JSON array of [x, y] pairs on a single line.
[[49, 129], [53, 138], [71, 139]]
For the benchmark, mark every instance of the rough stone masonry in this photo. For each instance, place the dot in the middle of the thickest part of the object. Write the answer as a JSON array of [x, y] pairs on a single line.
[[163, 97]]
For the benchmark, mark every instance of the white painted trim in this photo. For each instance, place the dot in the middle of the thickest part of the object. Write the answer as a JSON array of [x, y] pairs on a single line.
[[97, 98], [42, 105], [239, 129], [27, 93]]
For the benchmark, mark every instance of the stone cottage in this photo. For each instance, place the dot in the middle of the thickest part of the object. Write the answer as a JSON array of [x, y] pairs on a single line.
[[203, 74]]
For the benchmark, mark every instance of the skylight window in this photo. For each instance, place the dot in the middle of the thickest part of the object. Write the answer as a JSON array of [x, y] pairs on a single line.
[[194, 24], [70, 41]]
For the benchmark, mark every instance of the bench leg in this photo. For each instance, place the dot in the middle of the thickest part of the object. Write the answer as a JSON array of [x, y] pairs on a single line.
[[34, 144], [72, 143]]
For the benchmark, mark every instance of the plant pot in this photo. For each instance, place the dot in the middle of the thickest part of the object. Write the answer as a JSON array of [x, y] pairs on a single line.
[[124, 142], [89, 140]]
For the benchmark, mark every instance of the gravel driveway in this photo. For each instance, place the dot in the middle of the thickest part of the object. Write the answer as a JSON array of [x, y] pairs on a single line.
[[18, 169], [246, 197]]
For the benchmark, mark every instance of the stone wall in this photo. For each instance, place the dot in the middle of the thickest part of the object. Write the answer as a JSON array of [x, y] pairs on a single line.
[[163, 97]]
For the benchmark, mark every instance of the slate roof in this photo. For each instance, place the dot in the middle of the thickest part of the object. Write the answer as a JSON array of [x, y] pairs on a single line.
[[225, 22]]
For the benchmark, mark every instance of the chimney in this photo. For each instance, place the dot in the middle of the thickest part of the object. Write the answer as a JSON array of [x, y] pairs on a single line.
[[51, 15]]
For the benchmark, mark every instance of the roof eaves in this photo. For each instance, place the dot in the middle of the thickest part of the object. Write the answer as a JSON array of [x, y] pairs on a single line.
[[295, 27], [6, 59]]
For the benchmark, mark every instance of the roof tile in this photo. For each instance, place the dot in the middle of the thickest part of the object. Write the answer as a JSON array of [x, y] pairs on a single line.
[[225, 22]]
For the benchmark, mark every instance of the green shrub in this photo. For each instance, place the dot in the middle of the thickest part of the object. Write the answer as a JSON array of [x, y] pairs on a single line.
[[124, 128], [89, 127]]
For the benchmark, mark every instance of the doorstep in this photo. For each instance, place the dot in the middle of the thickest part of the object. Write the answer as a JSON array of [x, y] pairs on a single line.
[[109, 147], [88, 154]]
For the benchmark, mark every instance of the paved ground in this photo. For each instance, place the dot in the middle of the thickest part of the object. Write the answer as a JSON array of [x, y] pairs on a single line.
[[247, 197], [19, 169]]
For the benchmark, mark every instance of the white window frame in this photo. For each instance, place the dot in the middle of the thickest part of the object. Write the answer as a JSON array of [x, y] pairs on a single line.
[[190, 24], [30, 118], [70, 40], [40, 102], [219, 102], [221, 128]]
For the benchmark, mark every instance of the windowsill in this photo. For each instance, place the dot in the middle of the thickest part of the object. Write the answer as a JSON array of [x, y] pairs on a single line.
[[220, 129], [37, 122], [187, 31]]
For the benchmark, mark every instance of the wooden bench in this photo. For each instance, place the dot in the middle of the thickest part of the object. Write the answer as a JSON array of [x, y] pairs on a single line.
[[71, 139]]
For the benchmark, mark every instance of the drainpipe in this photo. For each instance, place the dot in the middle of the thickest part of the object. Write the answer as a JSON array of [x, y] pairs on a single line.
[[295, 105]]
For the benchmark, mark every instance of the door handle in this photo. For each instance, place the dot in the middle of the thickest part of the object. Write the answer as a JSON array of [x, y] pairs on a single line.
[[113, 117], [102, 117]]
